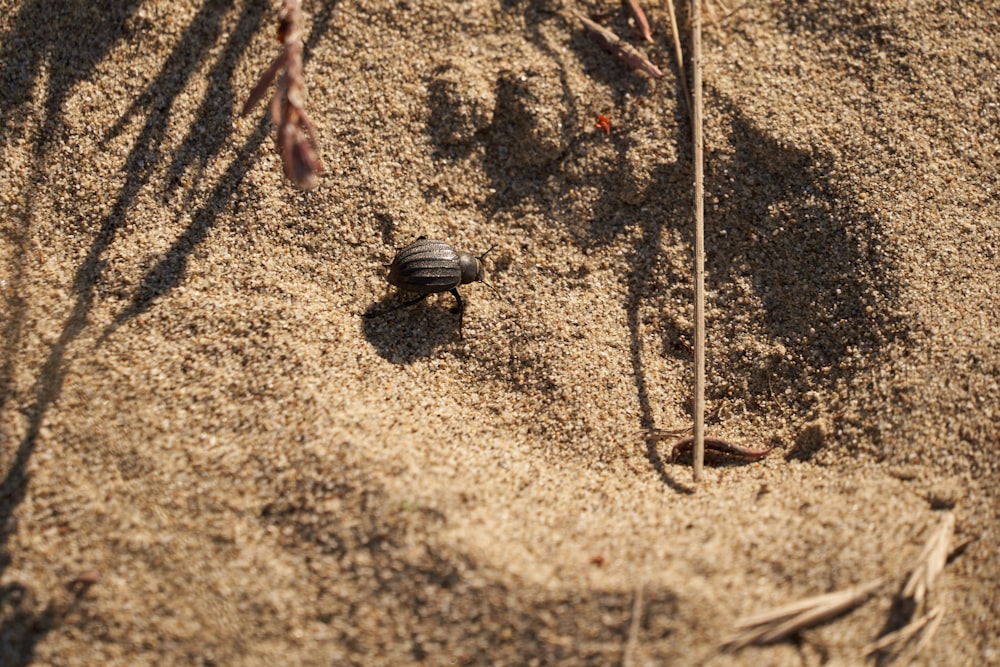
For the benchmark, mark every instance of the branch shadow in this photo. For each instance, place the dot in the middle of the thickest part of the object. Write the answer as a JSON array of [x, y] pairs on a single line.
[[44, 36], [168, 272], [786, 225], [47, 35], [429, 591], [783, 227], [641, 286], [528, 141], [207, 133], [512, 129], [50, 35]]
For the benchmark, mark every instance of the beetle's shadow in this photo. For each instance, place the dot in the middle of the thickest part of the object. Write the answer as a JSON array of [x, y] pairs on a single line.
[[401, 334]]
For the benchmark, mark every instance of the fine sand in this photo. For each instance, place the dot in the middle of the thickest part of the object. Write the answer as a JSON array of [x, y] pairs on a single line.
[[209, 457]]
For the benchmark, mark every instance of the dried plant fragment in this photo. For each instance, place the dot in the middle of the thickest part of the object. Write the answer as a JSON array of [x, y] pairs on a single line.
[[931, 562], [720, 446], [779, 623], [920, 582], [640, 20], [716, 445], [679, 55], [628, 653], [924, 627], [296, 137], [625, 52]]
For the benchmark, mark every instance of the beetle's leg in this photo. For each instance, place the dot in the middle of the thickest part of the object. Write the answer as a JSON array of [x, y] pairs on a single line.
[[459, 304], [458, 309]]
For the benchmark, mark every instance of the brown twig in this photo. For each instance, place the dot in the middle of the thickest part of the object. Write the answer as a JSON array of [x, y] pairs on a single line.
[[716, 445], [640, 20], [624, 51], [296, 136], [720, 446]]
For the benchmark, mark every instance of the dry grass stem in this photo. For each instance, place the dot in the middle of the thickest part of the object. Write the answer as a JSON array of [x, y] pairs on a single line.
[[934, 620], [779, 623], [699, 246], [924, 627], [728, 13], [296, 137], [624, 51], [628, 654], [679, 54], [640, 20], [931, 562], [658, 434]]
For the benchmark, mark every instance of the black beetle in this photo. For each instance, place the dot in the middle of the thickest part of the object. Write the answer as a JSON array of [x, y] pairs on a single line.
[[427, 267]]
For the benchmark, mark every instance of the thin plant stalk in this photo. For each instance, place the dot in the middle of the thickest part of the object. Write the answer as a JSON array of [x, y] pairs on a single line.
[[679, 54], [628, 654], [699, 246]]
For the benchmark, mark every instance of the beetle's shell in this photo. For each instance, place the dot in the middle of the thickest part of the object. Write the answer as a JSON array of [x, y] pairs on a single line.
[[425, 267]]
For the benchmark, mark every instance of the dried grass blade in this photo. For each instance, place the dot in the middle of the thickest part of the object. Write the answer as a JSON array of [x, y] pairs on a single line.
[[302, 165], [779, 623], [935, 616], [277, 105], [905, 634], [932, 560], [310, 131], [625, 52], [698, 141], [679, 54], [305, 166], [628, 654]]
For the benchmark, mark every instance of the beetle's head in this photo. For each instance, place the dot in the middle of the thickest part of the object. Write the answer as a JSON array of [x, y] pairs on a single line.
[[472, 267]]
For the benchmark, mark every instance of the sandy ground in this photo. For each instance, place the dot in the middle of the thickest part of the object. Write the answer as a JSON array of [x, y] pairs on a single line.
[[209, 457]]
